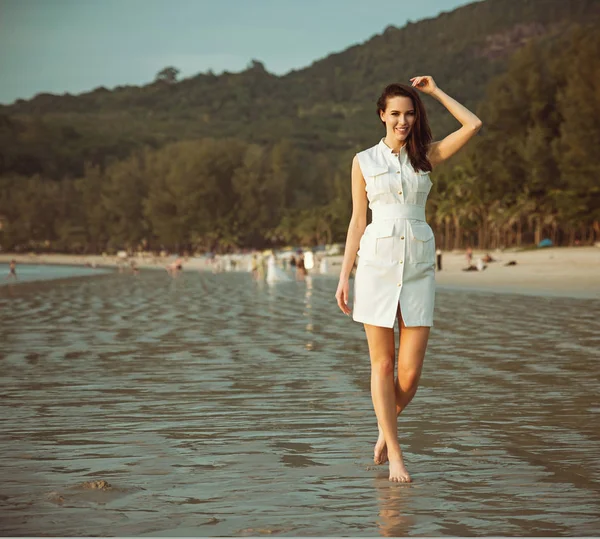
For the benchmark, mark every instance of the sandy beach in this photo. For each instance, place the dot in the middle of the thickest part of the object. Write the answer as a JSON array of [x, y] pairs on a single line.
[[559, 271]]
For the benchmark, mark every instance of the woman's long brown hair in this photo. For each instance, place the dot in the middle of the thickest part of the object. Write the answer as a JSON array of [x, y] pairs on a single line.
[[419, 138]]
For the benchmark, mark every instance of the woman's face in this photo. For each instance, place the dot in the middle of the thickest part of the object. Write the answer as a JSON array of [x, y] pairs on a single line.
[[399, 117]]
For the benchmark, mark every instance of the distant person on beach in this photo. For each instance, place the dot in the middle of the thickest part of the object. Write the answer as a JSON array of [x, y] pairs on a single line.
[[262, 268], [175, 268], [478, 266], [469, 255], [254, 267], [12, 269], [323, 266], [438, 259], [274, 272], [300, 268], [309, 261], [395, 277]]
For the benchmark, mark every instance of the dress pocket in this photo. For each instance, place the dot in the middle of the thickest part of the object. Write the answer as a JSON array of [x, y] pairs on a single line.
[[371, 171], [385, 243], [377, 181], [422, 244], [377, 243]]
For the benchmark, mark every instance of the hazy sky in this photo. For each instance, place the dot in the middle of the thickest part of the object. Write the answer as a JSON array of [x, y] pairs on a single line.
[[60, 46]]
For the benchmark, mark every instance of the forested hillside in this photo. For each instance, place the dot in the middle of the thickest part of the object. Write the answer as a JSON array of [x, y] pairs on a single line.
[[252, 159]]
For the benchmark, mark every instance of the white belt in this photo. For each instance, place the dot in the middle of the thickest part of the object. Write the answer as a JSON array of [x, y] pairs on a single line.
[[382, 212]]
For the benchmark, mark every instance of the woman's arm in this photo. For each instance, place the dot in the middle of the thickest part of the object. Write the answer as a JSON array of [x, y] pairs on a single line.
[[442, 150], [356, 228]]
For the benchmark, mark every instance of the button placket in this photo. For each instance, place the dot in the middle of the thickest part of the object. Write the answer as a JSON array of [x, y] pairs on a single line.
[[400, 177], [402, 250]]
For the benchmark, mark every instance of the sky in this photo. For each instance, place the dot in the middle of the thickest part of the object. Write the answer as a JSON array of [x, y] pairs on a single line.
[[74, 46]]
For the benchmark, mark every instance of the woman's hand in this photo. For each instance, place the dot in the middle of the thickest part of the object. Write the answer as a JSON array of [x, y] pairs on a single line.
[[425, 84], [342, 296]]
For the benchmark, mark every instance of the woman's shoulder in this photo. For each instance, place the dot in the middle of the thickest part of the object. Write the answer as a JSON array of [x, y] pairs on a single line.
[[370, 158], [370, 155], [369, 151]]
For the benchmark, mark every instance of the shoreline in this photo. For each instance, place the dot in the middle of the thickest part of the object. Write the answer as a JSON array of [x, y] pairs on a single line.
[[554, 271]]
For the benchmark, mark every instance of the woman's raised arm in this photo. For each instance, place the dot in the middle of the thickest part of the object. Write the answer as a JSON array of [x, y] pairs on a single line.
[[443, 149]]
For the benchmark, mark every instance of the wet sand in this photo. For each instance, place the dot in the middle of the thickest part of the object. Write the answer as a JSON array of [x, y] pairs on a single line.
[[217, 406]]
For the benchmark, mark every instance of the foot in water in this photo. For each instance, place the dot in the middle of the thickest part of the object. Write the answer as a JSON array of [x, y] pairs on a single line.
[[381, 456], [398, 472]]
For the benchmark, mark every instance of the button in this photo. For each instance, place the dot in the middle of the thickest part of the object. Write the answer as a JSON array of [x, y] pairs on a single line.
[[399, 284], [397, 172], [400, 261], [399, 192], [401, 237]]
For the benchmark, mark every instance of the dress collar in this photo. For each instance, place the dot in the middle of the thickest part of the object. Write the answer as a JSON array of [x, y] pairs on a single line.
[[386, 150]]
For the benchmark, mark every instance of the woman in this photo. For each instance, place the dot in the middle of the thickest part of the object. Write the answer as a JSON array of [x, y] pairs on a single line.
[[395, 273]]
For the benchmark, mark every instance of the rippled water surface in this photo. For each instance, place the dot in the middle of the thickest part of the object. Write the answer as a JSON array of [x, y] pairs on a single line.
[[215, 405]]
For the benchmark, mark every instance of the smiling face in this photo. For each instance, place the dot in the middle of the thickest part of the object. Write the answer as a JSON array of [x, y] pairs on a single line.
[[399, 118]]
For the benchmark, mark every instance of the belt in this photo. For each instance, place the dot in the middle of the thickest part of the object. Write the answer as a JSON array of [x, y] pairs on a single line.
[[382, 212]]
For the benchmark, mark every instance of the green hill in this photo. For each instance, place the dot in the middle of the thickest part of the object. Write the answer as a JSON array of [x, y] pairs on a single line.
[[328, 105], [251, 159]]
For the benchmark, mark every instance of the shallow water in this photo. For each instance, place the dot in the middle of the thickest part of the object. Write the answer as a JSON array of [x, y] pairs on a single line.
[[217, 406], [46, 272]]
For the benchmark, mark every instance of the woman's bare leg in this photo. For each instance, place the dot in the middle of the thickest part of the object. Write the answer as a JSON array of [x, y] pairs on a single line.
[[381, 345], [383, 393], [411, 355]]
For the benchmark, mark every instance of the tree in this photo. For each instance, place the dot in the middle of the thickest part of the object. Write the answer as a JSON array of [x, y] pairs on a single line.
[[168, 75]]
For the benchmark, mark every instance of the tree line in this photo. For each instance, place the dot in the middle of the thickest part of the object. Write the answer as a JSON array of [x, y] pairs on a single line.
[[532, 173]]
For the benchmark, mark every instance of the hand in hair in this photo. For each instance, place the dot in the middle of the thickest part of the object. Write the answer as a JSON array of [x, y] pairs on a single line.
[[425, 84]]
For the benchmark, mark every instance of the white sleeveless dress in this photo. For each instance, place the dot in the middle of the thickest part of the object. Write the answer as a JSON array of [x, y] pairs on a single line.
[[396, 263]]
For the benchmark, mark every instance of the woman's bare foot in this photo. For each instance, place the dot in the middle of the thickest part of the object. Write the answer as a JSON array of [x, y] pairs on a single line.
[[398, 472], [381, 456]]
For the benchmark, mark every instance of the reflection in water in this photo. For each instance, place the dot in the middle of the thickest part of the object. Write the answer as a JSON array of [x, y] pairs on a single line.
[[201, 400], [395, 517], [308, 311]]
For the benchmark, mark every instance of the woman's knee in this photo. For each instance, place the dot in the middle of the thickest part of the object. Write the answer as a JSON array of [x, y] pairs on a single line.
[[409, 380], [383, 365]]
